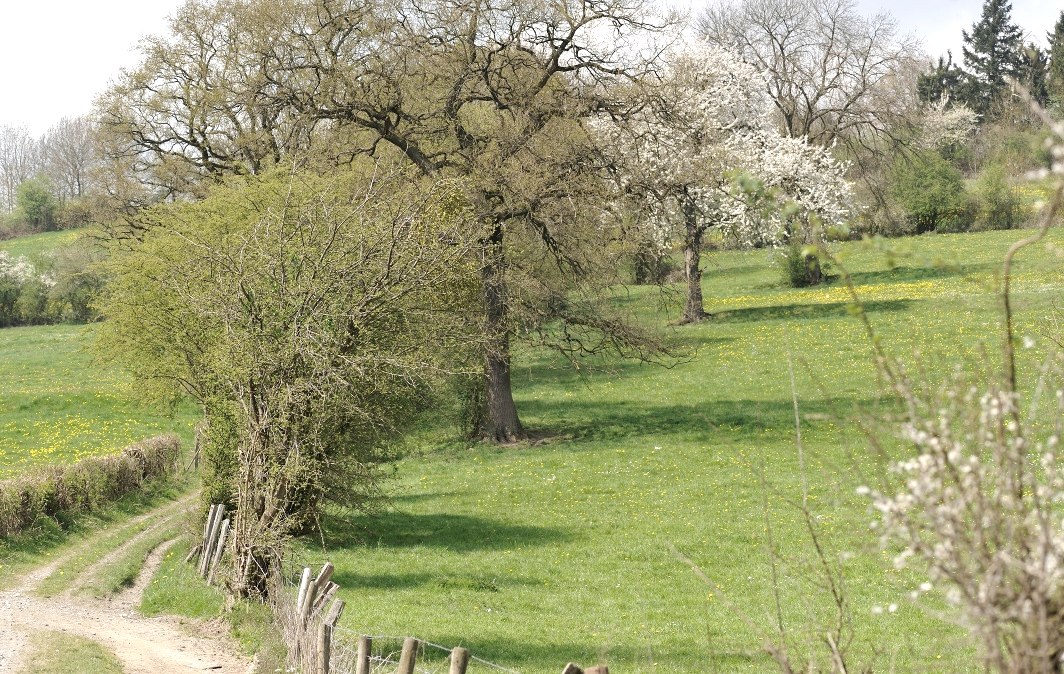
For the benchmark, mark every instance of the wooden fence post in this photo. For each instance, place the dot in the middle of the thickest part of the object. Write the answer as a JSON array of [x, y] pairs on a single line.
[[365, 646], [459, 660], [324, 647], [304, 582], [207, 530], [335, 611], [208, 544], [193, 552], [313, 590], [219, 549], [409, 657]]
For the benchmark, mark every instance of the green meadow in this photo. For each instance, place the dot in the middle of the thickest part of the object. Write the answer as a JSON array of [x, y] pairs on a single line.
[[566, 549], [58, 403], [569, 548], [34, 246]]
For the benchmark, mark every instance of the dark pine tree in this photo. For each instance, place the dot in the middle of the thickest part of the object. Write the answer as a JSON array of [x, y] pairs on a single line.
[[1034, 73], [944, 80], [993, 50], [1056, 61]]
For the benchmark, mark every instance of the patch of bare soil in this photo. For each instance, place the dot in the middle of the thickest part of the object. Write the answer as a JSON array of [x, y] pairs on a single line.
[[160, 645]]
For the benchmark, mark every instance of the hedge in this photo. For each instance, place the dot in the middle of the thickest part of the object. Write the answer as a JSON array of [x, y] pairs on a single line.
[[85, 485]]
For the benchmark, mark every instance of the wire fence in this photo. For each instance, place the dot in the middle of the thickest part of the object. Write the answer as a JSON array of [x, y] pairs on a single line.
[[309, 634], [309, 613], [386, 653]]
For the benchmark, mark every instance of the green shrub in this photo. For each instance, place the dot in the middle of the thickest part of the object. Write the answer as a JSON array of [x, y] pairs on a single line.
[[36, 205], [931, 192], [999, 206], [85, 485], [800, 268], [76, 283]]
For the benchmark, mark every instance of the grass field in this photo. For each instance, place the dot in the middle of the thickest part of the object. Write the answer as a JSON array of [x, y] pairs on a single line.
[[58, 404], [561, 550], [533, 556], [59, 653], [36, 245]]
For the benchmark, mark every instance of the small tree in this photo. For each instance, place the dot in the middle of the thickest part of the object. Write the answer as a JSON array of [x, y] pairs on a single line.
[[36, 204], [931, 192], [706, 121], [310, 317]]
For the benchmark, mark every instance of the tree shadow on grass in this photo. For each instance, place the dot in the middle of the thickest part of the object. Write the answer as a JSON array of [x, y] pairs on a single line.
[[906, 274], [514, 654], [590, 420], [804, 311], [456, 533], [547, 366]]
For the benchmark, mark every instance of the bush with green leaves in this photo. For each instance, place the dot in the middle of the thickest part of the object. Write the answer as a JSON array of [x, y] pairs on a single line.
[[999, 205], [61, 288], [36, 205], [931, 193], [311, 317], [801, 266]]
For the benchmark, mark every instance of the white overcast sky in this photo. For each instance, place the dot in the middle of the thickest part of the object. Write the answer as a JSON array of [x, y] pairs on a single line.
[[56, 55]]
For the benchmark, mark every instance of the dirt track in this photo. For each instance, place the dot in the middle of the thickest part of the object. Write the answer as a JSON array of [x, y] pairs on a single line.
[[161, 645]]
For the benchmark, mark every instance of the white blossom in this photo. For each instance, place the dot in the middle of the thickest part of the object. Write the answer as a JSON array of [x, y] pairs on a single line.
[[709, 120], [18, 270], [942, 126]]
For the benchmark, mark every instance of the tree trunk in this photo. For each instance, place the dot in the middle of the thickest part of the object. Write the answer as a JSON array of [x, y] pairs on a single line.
[[255, 539], [693, 310], [500, 422]]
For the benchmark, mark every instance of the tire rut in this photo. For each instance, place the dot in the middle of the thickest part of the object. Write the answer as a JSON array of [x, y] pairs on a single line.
[[165, 518], [161, 645]]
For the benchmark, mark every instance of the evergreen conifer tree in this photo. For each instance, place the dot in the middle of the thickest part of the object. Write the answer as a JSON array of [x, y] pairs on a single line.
[[993, 50], [1034, 73], [1056, 61], [944, 80]]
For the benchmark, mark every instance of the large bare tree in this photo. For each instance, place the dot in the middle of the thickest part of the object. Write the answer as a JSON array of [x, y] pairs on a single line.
[[198, 105], [68, 156], [19, 161], [494, 93], [835, 76]]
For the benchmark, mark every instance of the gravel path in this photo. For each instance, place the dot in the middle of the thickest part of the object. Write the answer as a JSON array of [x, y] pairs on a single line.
[[160, 645]]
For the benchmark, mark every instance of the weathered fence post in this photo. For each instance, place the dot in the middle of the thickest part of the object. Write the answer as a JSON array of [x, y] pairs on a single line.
[[304, 582], [219, 548], [409, 657], [313, 589], [335, 611], [206, 531], [208, 543], [324, 647], [365, 647], [193, 552], [459, 660]]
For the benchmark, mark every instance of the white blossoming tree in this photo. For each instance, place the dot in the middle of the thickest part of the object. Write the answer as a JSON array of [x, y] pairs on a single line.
[[706, 121], [943, 125]]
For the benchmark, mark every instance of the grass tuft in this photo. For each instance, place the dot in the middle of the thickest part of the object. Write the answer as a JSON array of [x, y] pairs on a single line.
[[59, 653]]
